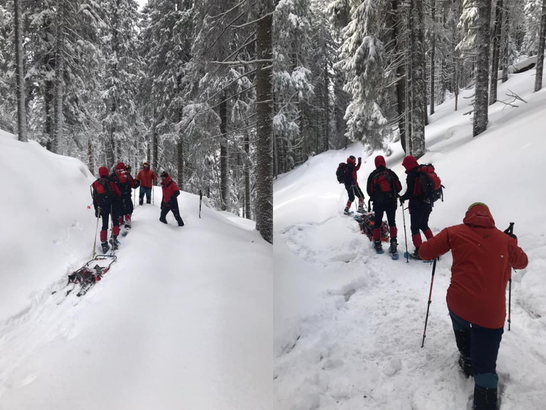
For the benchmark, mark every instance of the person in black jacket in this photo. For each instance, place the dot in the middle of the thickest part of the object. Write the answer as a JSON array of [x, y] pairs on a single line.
[[383, 187], [420, 208], [351, 184]]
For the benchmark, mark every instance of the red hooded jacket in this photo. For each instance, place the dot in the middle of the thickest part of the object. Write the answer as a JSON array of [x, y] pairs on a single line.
[[170, 189], [352, 169], [482, 260]]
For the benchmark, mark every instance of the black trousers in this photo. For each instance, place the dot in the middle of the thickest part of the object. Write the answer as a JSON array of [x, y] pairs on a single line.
[[127, 204], [419, 214], [353, 191], [388, 208], [165, 210]]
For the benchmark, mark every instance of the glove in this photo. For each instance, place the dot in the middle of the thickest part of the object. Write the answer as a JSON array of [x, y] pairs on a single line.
[[510, 234], [359, 160], [97, 212], [401, 201]]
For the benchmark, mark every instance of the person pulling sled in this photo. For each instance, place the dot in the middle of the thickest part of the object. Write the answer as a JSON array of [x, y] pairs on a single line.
[[106, 197], [483, 258], [346, 174], [383, 187], [169, 201]]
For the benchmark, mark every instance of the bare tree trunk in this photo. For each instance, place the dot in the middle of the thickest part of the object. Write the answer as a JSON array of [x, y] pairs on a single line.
[[504, 46], [264, 101], [483, 41], [418, 78], [155, 144], [540, 54], [326, 108], [496, 52], [224, 171], [20, 70], [432, 59], [246, 171], [59, 72], [90, 158]]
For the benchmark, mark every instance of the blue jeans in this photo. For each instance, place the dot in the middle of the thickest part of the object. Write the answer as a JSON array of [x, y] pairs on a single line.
[[147, 191], [484, 349]]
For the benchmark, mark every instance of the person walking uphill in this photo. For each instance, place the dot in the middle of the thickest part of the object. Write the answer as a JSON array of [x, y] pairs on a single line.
[[351, 184], [146, 177], [169, 201], [476, 298], [106, 197], [383, 187], [420, 207]]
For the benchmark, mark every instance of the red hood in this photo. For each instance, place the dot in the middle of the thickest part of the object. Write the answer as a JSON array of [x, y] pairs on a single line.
[[479, 215], [166, 180], [146, 164], [409, 163], [120, 165], [351, 161], [103, 172], [380, 161]]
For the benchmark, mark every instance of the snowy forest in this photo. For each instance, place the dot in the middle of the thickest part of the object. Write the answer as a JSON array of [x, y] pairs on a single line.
[[183, 84], [374, 70]]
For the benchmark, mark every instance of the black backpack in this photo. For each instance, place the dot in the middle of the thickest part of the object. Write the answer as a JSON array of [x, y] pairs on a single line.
[[105, 196], [341, 172], [383, 186]]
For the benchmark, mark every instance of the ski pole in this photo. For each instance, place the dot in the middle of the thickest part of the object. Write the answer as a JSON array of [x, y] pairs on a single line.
[[429, 302], [96, 230], [511, 231], [200, 201], [405, 233]]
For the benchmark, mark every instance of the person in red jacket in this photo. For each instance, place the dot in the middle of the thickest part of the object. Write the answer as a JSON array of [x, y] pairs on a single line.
[[483, 257], [106, 197], [146, 177], [125, 183], [169, 201], [351, 184], [420, 208]]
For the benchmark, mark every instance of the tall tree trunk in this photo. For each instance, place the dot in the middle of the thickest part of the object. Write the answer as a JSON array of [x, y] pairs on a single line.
[[483, 40], [59, 73], [264, 110], [180, 162], [505, 37], [326, 108], [496, 52], [90, 158], [432, 59], [540, 54], [246, 172], [418, 78], [20, 70], [224, 171], [155, 145]]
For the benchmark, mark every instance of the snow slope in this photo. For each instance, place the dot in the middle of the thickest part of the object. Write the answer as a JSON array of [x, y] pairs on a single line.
[[181, 321], [349, 323]]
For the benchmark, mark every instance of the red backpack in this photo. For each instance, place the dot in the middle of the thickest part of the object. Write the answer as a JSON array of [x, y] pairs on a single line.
[[428, 184], [384, 186]]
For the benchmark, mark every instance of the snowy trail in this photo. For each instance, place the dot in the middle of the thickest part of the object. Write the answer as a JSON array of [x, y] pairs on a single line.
[[349, 323], [168, 327]]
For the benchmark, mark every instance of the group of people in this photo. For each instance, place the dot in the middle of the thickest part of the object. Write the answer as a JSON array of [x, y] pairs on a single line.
[[383, 188], [483, 258], [112, 198]]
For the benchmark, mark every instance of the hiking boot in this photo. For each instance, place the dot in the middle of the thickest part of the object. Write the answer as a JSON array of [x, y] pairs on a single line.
[[484, 398], [462, 338], [346, 211], [415, 255], [394, 244], [163, 220], [360, 208], [377, 246], [115, 243], [466, 366], [180, 223], [127, 226], [105, 246], [140, 202]]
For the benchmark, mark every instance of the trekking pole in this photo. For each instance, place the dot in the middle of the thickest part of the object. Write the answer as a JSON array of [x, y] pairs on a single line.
[[96, 230], [405, 233], [200, 200], [429, 302], [510, 230]]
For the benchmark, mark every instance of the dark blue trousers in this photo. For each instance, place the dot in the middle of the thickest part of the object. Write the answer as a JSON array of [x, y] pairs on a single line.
[[484, 349]]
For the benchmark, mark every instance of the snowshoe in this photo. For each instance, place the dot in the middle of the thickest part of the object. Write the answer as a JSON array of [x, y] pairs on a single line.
[[127, 226], [415, 256], [105, 246], [360, 209], [114, 242], [378, 247], [347, 212], [393, 251]]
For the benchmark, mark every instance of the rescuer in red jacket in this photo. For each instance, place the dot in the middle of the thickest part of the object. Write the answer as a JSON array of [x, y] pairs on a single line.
[[106, 197], [169, 201], [483, 257]]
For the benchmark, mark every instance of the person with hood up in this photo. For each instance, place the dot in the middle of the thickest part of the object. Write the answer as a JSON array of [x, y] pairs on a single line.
[[106, 197], [483, 257], [125, 183], [146, 177], [169, 201], [351, 184], [383, 187], [419, 208]]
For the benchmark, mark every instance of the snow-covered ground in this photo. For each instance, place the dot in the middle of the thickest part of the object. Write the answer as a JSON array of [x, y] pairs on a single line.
[[349, 323], [181, 321]]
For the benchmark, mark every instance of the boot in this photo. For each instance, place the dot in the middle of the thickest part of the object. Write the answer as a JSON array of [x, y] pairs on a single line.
[[105, 246], [415, 255], [392, 248], [360, 208], [115, 243], [484, 398], [163, 220], [140, 201], [462, 338], [181, 223], [377, 246], [346, 211]]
